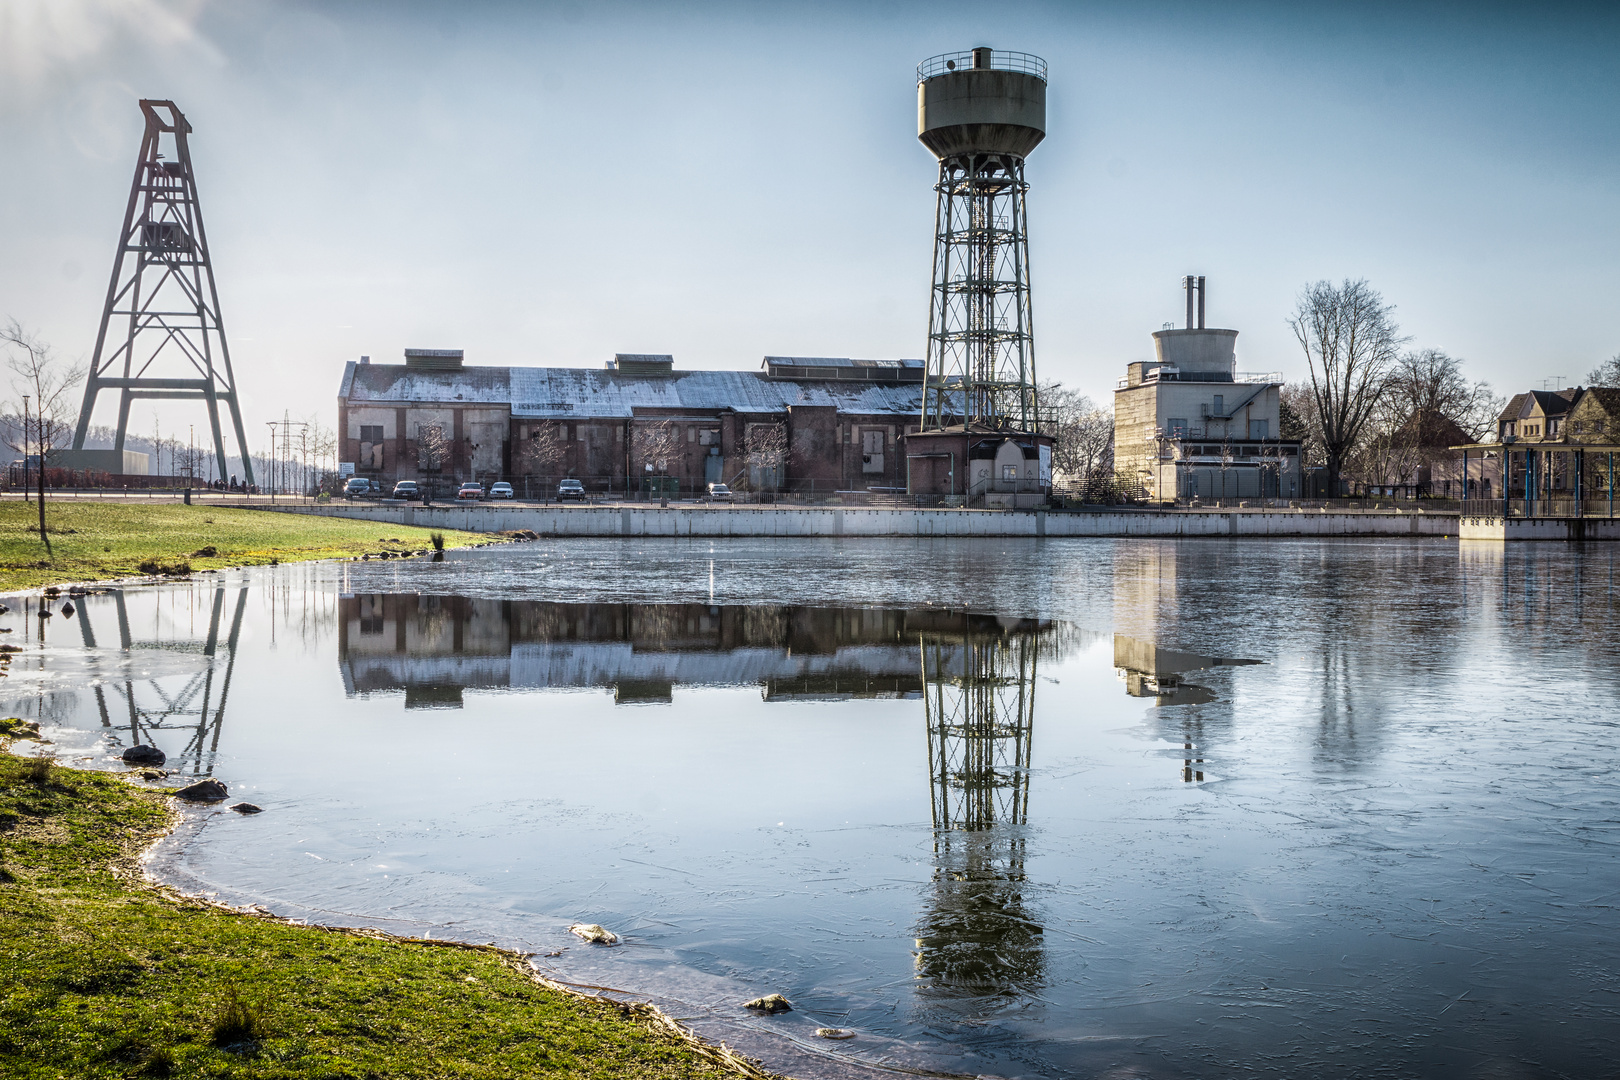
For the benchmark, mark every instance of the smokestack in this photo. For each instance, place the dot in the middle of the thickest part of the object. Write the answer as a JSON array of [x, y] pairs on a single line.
[[1201, 301], [1188, 283]]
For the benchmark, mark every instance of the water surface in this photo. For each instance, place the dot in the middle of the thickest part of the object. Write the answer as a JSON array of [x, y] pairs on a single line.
[[1015, 808]]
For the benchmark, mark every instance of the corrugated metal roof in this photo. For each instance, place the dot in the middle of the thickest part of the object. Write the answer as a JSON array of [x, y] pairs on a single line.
[[555, 393]]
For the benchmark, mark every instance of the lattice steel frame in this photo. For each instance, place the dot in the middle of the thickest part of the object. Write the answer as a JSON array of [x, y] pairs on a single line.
[[980, 723], [162, 301], [981, 343]]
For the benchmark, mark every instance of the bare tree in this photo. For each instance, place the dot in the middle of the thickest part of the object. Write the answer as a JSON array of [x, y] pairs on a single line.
[[433, 447], [1297, 419], [1351, 341], [765, 448], [39, 374], [656, 443], [1428, 383], [1082, 432], [544, 449], [1606, 373]]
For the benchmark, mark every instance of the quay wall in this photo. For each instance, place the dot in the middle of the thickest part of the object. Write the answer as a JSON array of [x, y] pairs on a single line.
[[711, 521], [1496, 528]]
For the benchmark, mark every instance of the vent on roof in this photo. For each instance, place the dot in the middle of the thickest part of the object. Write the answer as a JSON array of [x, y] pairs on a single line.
[[844, 369], [434, 359], [642, 363]]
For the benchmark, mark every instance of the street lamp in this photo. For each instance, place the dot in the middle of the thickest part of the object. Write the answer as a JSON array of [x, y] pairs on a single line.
[[25, 447]]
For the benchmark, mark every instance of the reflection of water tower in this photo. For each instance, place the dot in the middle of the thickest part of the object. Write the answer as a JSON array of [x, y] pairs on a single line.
[[981, 113], [976, 939]]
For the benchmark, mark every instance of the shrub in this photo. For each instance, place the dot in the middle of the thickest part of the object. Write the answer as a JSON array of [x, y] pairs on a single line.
[[438, 540], [238, 1021], [158, 566], [39, 770]]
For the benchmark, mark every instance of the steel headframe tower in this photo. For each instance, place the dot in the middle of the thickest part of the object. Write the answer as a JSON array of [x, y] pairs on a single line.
[[981, 113], [162, 311]]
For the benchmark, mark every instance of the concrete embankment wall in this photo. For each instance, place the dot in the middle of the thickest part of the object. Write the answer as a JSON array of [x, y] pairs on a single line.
[[1496, 528], [631, 520]]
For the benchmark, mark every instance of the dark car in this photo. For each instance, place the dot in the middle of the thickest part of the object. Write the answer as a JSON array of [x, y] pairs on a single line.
[[359, 487], [570, 489], [407, 490]]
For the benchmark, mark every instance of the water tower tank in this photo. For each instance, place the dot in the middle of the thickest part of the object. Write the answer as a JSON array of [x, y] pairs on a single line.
[[981, 102], [981, 112]]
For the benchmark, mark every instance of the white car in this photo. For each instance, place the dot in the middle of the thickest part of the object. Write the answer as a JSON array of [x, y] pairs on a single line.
[[719, 493], [500, 490]]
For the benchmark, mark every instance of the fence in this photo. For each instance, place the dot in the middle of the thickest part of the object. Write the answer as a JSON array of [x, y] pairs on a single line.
[[1561, 507]]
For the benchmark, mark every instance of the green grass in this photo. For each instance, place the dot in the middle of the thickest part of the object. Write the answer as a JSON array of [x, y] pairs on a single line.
[[94, 541], [103, 975]]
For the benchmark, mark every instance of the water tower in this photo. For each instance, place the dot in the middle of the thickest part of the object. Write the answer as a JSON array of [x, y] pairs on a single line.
[[981, 113]]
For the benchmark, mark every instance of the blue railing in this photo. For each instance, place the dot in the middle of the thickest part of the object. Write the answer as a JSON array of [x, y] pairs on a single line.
[[945, 63]]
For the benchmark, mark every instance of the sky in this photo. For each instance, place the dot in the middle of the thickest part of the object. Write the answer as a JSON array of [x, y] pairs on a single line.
[[549, 184]]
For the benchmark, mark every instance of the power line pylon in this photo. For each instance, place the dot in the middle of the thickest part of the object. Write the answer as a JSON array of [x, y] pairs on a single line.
[[162, 310]]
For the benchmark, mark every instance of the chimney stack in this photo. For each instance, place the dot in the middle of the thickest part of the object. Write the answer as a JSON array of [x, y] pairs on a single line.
[[1194, 284]]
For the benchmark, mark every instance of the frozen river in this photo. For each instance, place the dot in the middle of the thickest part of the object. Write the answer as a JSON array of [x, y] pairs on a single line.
[[1010, 808]]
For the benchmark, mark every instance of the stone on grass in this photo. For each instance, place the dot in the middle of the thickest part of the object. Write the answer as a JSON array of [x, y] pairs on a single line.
[[144, 755], [247, 808], [770, 1004], [203, 791], [592, 932]]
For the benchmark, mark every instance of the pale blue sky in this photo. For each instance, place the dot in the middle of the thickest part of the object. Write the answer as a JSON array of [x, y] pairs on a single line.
[[550, 183]]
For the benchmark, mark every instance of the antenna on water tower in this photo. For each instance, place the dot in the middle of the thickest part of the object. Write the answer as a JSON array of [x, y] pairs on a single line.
[[981, 113]]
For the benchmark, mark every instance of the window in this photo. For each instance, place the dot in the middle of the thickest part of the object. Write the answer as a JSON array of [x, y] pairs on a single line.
[[1177, 427], [1009, 472], [371, 447], [1219, 407], [1597, 426]]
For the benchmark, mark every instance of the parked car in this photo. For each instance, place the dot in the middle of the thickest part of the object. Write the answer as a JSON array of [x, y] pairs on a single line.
[[360, 487], [472, 489], [500, 490], [719, 493], [407, 490], [570, 489]]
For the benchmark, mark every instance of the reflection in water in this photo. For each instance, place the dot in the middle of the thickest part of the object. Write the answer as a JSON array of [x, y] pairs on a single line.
[[976, 939], [434, 647], [193, 702], [1149, 671], [976, 679]]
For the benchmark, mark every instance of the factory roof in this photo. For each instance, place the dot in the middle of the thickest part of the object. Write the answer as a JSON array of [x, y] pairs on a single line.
[[557, 393]]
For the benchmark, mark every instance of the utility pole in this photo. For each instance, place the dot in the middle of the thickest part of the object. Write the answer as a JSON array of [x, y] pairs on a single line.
[[26, 497], [272, 462]]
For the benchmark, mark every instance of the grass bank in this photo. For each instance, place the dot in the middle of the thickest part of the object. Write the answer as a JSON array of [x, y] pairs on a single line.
[[94, 541], [104, 975]]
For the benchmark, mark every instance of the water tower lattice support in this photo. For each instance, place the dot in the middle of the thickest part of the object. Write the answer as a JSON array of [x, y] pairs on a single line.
[[981, 343], [162, 311]]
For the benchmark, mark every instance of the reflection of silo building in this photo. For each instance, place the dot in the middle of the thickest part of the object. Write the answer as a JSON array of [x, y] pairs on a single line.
[[975, 938], [981, 113], [1151, 672]]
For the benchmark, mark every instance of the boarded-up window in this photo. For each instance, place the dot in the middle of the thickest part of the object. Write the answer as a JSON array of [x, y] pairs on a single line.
[[371, 446]]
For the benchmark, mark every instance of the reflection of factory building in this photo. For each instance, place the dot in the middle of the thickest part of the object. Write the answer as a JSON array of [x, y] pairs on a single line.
[[434, 647], [1149, 671]]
